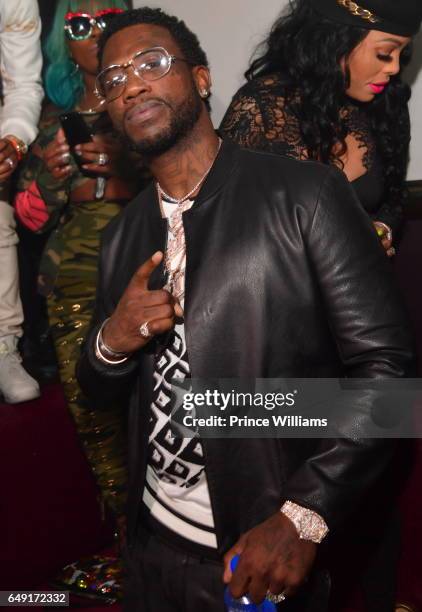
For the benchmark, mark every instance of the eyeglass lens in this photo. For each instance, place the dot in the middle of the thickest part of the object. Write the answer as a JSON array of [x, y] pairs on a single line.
[[81, 26], [104, 20], [149, 65]]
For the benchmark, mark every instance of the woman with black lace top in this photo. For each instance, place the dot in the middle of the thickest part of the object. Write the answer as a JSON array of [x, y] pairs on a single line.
[[327, 87]]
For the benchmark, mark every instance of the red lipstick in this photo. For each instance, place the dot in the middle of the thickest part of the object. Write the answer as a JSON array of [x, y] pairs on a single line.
[[378, 88]]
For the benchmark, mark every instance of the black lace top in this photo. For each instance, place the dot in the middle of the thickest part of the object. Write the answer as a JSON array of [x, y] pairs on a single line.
[[257, 119]]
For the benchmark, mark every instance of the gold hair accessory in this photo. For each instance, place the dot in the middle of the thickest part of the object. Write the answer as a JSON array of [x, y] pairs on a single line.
[[358, 11]]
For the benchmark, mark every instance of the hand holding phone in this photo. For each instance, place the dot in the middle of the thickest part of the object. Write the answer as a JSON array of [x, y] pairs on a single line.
[[76, 132], [75, 129]]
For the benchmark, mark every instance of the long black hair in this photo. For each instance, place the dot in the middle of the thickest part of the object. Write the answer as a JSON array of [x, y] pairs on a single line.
[[306, 51]]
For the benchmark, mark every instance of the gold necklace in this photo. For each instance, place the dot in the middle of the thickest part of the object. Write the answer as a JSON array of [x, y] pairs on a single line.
[[177, 248]]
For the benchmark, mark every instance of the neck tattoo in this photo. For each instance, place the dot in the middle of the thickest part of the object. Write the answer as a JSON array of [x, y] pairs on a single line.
[[169, 198]]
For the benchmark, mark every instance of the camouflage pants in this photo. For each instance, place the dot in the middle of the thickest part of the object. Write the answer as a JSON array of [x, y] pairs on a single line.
[[70, 306]]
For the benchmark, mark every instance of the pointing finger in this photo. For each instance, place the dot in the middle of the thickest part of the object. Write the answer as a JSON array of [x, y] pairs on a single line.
[[141, 277]]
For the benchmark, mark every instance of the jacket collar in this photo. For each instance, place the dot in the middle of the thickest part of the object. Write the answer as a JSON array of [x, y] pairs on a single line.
[[223, 166]]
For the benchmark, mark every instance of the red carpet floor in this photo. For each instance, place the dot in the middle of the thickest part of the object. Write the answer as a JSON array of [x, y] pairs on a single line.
[[49, 510]]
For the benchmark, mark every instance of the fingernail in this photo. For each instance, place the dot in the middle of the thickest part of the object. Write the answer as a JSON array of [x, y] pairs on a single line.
[[178, 310], [66, 157]]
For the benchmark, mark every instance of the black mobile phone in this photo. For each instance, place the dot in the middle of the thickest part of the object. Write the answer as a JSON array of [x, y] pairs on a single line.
[[75, 129]]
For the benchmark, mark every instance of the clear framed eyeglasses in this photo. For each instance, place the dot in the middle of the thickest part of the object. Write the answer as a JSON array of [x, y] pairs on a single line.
[[150, 65]]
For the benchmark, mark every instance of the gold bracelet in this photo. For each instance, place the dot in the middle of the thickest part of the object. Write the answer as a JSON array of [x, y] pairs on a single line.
[[19, 145]]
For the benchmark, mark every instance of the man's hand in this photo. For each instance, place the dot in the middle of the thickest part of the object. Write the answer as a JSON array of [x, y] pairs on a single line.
[[8, 159], [272, 558], [137, 306]]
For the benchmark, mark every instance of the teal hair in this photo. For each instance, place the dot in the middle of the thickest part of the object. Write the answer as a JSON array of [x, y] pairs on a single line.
[[63, 81]]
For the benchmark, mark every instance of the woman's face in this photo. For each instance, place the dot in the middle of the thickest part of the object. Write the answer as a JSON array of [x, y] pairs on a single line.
[[84, 52], [372, 63]]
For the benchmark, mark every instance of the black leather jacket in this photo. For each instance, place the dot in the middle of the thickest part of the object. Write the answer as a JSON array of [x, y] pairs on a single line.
[[285, 278]]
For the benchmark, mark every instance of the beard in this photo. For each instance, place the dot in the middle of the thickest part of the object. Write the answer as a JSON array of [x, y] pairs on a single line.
[[183, 119]]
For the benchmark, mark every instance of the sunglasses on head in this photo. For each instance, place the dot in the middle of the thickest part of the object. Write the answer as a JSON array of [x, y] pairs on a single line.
[[79, 26]]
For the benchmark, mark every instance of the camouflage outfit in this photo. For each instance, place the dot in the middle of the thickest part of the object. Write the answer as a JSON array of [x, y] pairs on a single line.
[[67, 278]]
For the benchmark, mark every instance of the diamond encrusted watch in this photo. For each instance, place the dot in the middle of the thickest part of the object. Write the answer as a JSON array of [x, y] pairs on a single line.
[[309, 524]]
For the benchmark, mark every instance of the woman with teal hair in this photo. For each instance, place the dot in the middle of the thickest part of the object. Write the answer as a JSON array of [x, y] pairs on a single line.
[[74, 192], [64, 83]]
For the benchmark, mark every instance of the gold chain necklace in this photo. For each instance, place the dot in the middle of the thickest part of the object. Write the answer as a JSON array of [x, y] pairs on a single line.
[[177, 246]]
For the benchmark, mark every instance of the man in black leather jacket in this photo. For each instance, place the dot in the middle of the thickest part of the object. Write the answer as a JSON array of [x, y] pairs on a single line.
[[271, 269]]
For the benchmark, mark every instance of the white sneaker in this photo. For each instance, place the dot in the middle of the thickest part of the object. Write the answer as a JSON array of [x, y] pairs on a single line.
[[16, 384]]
